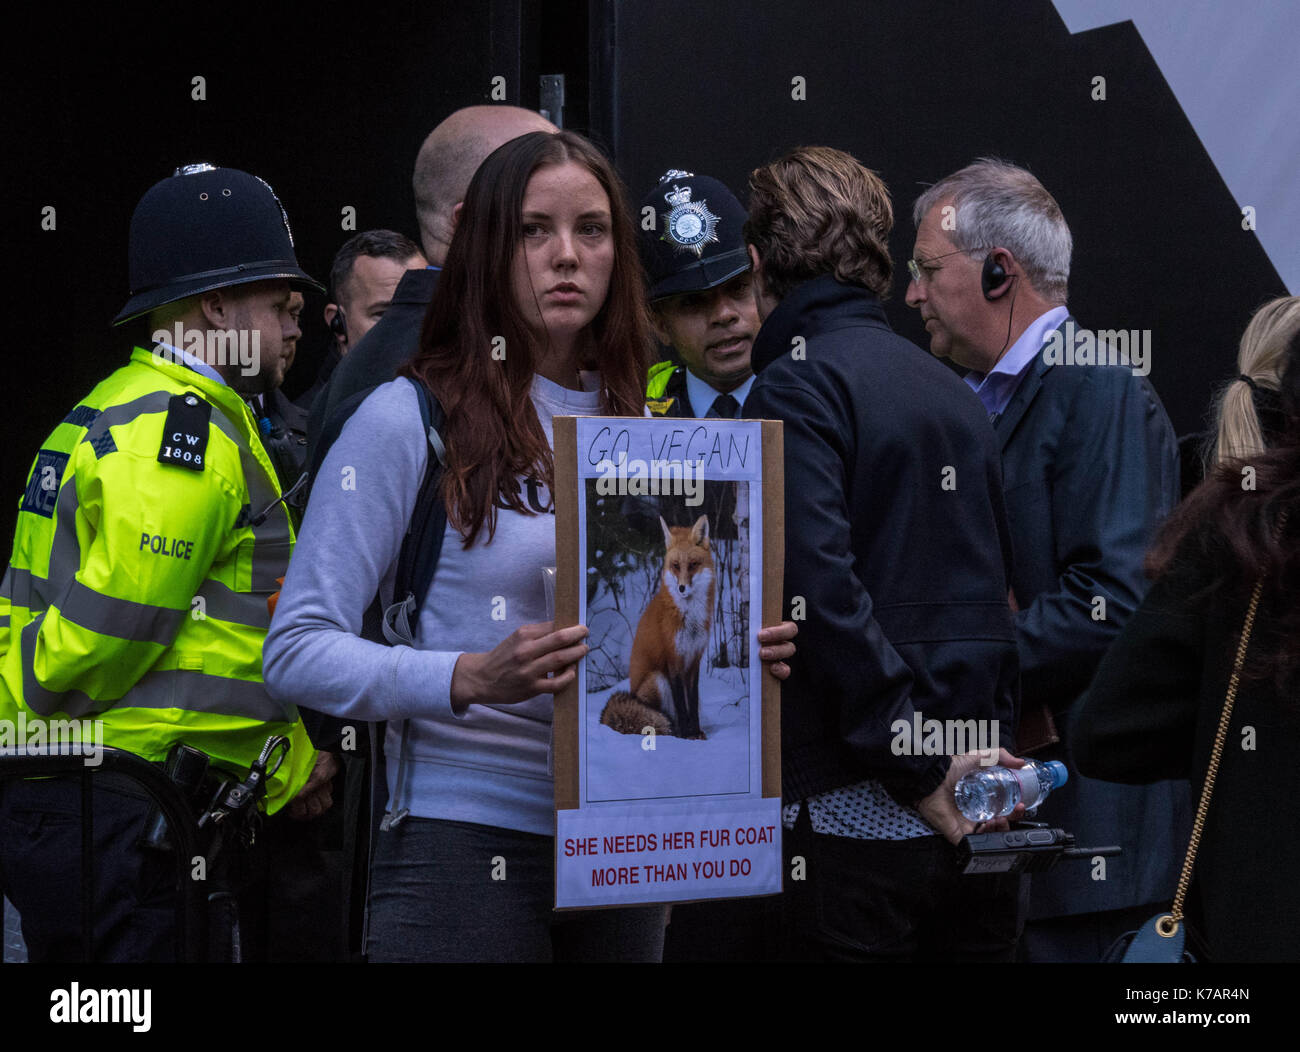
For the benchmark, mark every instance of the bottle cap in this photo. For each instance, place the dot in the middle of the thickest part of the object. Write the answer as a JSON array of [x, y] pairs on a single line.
[[1060, 775]]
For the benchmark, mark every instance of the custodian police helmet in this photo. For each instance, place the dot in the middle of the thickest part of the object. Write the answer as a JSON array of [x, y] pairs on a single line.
[[204, 228], [697, 240]]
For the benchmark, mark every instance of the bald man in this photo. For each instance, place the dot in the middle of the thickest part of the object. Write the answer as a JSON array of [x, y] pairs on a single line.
[[444, 166]]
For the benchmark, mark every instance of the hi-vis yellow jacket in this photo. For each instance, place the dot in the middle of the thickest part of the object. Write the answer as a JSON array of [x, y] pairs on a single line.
[[148, 541]]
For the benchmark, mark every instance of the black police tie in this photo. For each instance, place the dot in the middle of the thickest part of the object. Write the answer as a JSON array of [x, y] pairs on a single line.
[[724, 406]]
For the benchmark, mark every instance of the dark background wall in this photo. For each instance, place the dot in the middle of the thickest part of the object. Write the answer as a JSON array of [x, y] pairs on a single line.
[[917, 90], [331, 108], [329, 105]]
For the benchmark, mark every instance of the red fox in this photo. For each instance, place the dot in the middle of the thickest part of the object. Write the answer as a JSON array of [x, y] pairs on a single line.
[[669, 642]]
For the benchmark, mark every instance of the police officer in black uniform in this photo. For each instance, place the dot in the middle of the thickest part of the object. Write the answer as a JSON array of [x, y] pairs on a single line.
[[703, 306], [701, 296]]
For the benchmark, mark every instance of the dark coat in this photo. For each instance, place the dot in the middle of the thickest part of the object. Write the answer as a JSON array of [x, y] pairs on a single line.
[[374, 360], [291, 415], [380, 353], [285, 442], [331, 362], [901, 563], [1152, 712], [1090, 466]]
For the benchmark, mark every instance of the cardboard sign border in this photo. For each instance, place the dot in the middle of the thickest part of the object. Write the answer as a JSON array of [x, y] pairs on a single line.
[[567, 559]]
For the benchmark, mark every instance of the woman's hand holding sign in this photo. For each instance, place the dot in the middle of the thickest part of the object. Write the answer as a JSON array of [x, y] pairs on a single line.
[[534, 659]]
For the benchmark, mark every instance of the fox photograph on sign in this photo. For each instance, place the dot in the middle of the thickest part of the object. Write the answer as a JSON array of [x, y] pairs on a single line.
[[666, 748], [669, 630]]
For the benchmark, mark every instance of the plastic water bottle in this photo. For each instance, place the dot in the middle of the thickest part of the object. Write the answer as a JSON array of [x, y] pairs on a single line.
[[991, 792]]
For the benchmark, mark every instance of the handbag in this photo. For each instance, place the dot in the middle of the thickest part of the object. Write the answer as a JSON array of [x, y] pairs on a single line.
[[1163, 939]]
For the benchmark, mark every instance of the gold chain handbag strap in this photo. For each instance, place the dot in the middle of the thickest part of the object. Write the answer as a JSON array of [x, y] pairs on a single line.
[[1168, 924]]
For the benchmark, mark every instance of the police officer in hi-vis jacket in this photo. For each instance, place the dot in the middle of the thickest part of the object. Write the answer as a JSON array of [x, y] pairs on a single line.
[[149, 537]]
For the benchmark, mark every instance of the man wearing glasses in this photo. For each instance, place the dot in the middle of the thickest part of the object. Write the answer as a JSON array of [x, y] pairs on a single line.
[[1090, 467]]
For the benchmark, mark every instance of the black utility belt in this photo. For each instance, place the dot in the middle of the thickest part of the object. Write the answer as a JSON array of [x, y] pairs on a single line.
[[218, 801]]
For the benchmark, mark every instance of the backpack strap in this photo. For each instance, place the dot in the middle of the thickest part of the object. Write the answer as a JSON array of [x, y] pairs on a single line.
[[422, 545], [416, 563]]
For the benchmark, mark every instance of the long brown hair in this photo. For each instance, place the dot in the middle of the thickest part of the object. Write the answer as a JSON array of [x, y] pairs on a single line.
[[1244, 519], [492, 432]]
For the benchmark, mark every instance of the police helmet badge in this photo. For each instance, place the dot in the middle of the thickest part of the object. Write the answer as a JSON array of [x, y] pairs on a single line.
[[688, 225]]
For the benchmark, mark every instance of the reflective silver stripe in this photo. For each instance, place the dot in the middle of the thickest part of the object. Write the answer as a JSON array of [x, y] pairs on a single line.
[[65, 561], [47, 702], [21, 587], [120, 618], [236, 607], [113, 416], [270, 561], [65, 552], [26, 589], [272, 538], [186, 689], [196, 691]]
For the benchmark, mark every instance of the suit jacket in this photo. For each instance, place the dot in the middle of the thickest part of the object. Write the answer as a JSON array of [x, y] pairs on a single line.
[[1090, 468], [379, 354]]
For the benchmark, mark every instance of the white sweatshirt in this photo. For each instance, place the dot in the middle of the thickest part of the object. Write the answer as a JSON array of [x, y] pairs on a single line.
[[489, 765]]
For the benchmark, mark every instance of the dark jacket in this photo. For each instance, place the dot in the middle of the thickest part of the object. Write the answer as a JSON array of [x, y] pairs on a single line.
[[1090, 466], [282, 426], [374, 360], [331, 362], [380, 353], [1152, 712], [896, 543]]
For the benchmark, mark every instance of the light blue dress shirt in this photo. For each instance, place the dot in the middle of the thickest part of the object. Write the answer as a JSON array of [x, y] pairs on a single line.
[[996, 387]]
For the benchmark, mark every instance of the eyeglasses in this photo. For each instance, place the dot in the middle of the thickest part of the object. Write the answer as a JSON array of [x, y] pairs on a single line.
[[918, 267]]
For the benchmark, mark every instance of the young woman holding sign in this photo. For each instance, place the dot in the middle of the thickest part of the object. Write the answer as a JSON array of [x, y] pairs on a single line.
[[539, 312]]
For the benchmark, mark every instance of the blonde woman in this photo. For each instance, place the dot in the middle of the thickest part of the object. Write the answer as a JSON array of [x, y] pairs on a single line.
[[1248, 416]]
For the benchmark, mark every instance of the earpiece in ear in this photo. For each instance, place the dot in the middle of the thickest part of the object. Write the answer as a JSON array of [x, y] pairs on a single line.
[[991, 277], [338, 326]]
